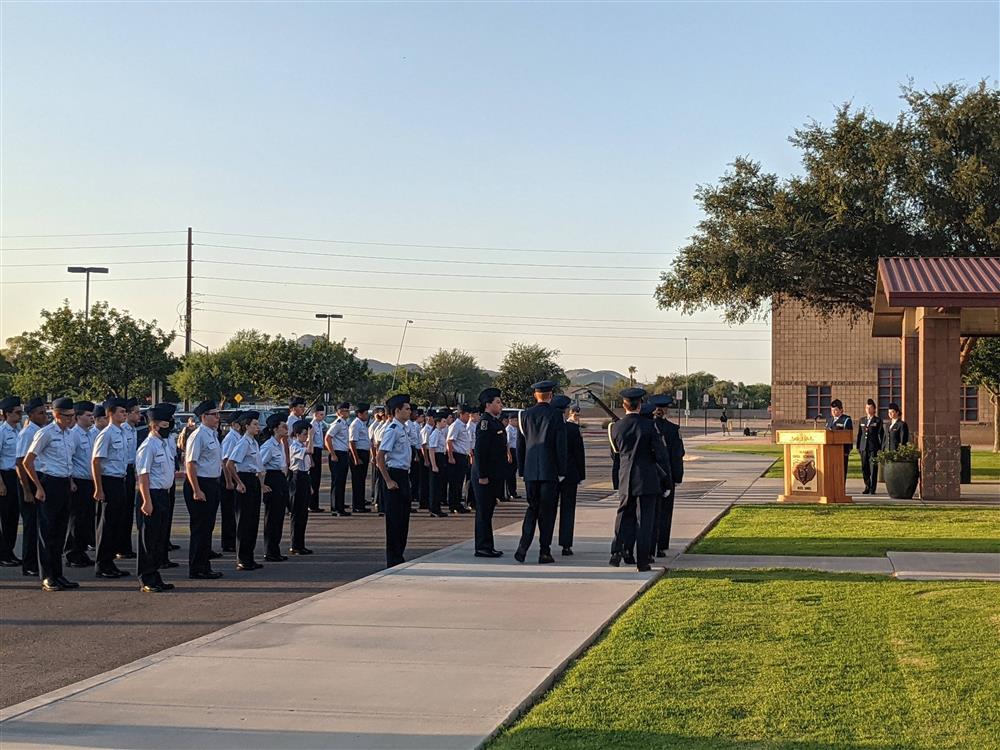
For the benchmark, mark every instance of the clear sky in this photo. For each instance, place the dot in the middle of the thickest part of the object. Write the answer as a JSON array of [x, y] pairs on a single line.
[[582, 128]]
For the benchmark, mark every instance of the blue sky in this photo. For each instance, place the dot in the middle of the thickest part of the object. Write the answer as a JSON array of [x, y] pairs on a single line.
[[573, 127]]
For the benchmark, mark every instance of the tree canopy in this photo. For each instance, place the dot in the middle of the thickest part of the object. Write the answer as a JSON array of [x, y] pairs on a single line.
[[524, 365], [982, 368], [927, 184]]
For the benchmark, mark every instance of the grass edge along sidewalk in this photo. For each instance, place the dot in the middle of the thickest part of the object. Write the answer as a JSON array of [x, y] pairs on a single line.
[[985, 464], [783, 660], [850, 530]]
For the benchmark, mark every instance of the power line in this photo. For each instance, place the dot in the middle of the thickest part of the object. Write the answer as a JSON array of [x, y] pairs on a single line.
[[416, 273], [479, 332], [75, 281], [96, 262], [354, 256], [411, 311], [437, 247], [425, 291], [91, 234], [85, 247]]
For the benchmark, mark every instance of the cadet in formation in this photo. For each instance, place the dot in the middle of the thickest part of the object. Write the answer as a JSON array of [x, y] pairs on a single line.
[[393, 460], [871, 436], [670, 433], [576, 472], [489, 470]]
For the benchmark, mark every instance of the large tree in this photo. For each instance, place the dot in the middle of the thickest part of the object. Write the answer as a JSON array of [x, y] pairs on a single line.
[[111, 353], [926, 184], [982, 368], [524, 365], [451, 375]]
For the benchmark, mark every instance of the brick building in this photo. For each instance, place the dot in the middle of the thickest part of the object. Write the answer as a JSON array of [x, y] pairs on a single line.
[[814, 360]]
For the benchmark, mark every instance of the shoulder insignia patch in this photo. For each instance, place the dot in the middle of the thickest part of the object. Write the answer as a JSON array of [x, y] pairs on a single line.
[[484, 425]]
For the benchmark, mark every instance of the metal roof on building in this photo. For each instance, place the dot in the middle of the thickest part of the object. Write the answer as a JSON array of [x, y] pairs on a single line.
[[940, 282]]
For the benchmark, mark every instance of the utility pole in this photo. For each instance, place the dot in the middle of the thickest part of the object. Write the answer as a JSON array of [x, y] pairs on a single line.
[[187, 304], [399, 354]]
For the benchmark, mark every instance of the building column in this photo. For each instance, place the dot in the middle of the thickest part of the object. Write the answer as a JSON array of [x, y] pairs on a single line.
[[939, 388], [910, 374]]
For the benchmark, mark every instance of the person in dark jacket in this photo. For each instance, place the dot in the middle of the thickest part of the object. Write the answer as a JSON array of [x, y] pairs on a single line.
[[869, 443], [541, 461], [643, 454], [576, 472], [840, 421], [671, 435], [489, 469], [896, 432]]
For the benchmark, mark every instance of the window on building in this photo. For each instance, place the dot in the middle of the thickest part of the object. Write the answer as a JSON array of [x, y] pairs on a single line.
[[890, 388], [970, 403], [817, 401]]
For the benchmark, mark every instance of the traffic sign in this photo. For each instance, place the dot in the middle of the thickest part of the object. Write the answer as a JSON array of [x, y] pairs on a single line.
[[687, 412], [725, 401], [238, 397], [679, 395], [704, 399]]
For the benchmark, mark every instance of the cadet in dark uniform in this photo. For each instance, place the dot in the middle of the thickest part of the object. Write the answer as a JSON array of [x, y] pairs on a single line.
[[671, 433], [897, 432], [49, 465], [37, 419], [542, 460], [108, 466], [489, 470], [272, 458], [202, 488], [10, 411], [359, 444], [576, 472], [642, 454], [869, 443], [840, 421], [155, 469], [393, 460]]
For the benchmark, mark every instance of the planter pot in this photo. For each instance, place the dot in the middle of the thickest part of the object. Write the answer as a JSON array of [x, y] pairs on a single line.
[[901, 478]]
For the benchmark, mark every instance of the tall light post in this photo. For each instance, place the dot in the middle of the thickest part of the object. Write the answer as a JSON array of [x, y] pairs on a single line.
[[399, 353], [687, 384], [329, 317], [87, 270]]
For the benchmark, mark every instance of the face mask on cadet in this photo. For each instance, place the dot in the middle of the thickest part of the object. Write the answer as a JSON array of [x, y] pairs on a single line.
[[164, 432]]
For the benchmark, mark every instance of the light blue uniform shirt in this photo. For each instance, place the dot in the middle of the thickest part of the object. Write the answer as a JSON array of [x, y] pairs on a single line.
[[458, 434], [437, 440], [83, 447], [53, 449], [152, 458], [246, 455], [299, 455], [8, 446], [203, 449], [131, 440], [357, 433], [110, 448], [272, 455], [24, 438], [395, 444], [425, 434], [229, 442], [338, 434], [318, 432]]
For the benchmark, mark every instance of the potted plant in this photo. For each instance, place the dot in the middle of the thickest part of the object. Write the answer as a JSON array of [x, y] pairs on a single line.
[[900, 470]]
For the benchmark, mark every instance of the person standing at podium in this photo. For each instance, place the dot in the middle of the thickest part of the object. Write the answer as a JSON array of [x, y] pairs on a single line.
[[840, 421]]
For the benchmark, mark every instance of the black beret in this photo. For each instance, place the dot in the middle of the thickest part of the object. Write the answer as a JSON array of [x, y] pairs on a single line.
[[397, 401], [300, 426], [379, 409], [162, 413], [100, 411], [662, 400], [228, 417], [444, 413], [82, 407], [297, 401], [362, 406], [561, 401], [464, 409], [420, 412], [633, 393], [275, 419], [115, 403], [10, 403], [33, 404], [246, 417], [171, 408], [207, 405], [544, 386], [488, 395], [62, 403], [344, 405], [647, 410], [131, 403], [319, 406]]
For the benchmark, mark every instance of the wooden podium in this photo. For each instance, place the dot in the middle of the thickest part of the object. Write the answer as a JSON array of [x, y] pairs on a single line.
[[814, 465]]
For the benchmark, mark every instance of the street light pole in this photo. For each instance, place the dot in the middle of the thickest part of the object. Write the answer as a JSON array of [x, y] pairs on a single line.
[[329, 317], [87, 270], [687, 385], [399, 353]]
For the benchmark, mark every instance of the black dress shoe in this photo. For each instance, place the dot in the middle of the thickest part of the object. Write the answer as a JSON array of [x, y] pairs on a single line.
[[362, 510], [438, 515], [151, 589], [489, 553], [169, 564], [315, 510], [173, 547], [125, 556], [545, 557], [110, 573], [29, 572], [9, 563], [166, 586], [52, 584], [567, 551], [629, 558], [67, 584], [228, 548], [249, 566], [303, 551], [275, 558], [643, 567], [339, 513], [520, 554], [516, 496], [213, 555], [80, 562], [616, 559], [661, 552], [205, 575]]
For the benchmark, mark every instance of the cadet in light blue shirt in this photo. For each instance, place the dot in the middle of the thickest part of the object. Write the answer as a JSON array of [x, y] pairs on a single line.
[[245, 455], [155, 471], [11, 420], [112, 448], [204, 450], [81, 510], [8, 434], [394, 455], [52, 448], [37, 419], [153, 459]]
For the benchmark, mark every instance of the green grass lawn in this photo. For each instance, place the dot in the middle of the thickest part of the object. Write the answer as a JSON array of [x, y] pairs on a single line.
[[851, 530], [784, 660], [985, 464]]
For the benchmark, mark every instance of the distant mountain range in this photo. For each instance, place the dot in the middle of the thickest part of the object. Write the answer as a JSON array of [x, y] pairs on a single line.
[[578, 377], [377, 366]]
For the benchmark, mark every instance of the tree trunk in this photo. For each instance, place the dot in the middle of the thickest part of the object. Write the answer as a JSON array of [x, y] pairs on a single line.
[[995, 400]]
